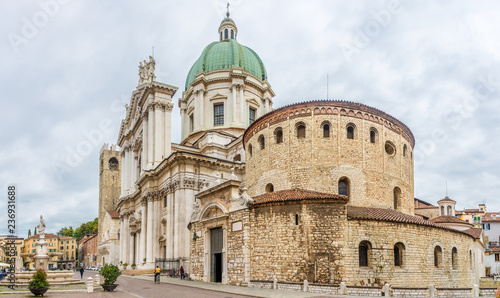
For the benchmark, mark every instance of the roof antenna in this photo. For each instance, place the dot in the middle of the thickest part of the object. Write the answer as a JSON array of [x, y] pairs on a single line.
[[227, 13], [326, 86]]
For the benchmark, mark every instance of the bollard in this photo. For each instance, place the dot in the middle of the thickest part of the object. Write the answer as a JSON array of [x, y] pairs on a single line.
[[97, 280], [387, 289], [275, 283], [90, 285], [342, 289], [306, 285], [476, 291], [431, 291]]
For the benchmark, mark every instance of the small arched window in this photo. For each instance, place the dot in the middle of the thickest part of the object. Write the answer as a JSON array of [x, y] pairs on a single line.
[[262, 142], [269, 187], [399, 250], [250, 150], [448, 210], [221, 36], [438, 256], [296, 219], [471, 263], [404, 150], [113, 163], [364, 253], [232, 34], [351, 131], [454, 258], [397, 197], [326, 129], [278, 134], [225, 34], [373, 135], [301, 130], [344, 186]]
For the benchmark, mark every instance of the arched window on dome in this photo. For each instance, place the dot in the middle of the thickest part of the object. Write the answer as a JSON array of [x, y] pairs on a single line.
[[351, 131], [225, 34], [278, 134], [397, 197], [250, 150], [404, 150], [326, 129], [448, 210], [301, 130], [269, 187], [232, 34], [373, 135], [344, 186], [220, 36], [262, 142]]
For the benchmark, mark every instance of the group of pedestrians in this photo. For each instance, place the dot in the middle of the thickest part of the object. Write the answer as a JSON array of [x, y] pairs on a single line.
[[181, 271]]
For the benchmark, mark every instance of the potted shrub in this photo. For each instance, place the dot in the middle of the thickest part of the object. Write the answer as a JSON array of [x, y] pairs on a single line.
[[110, 273], [133, 266], [125, 265], [39, 284]]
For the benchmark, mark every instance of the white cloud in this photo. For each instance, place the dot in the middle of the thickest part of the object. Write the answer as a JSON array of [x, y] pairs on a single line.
[[422, 65]]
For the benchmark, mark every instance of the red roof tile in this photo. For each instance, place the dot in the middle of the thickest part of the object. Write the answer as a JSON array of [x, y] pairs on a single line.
[[379, 214], [446, 199], [114, 214], [449, 219], [297, 195], [475, 232], [491, 217], [47, 235]]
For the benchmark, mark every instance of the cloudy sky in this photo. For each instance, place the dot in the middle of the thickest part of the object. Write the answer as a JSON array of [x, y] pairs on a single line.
[[67, 68]]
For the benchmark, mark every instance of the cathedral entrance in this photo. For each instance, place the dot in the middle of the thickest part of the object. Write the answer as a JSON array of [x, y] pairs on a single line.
[[216, 243]]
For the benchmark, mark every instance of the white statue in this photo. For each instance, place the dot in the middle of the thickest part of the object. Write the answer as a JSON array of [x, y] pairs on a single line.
[[147, 71], [41, 227]]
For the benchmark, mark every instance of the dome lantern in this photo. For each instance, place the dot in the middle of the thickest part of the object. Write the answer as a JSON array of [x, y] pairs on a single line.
[[227, 28]]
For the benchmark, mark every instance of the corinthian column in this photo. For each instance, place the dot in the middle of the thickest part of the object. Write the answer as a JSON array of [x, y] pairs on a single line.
[[150, 136], [149, 240], [243, 104], [158, 134], [144, 159], [233, 99], [142, 244], [167, 134]]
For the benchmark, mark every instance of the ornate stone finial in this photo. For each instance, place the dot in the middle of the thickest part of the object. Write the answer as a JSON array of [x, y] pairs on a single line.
[[217, 178], [147, 71], [227, 13], [233, 176]]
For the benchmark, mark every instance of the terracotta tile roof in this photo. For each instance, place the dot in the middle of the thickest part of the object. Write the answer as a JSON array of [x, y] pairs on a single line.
[[494, 249], [449, 219], [491, 217], [471, 211], [475, 232], [114, 214], [297, 195], [379, 214], [446, 199]]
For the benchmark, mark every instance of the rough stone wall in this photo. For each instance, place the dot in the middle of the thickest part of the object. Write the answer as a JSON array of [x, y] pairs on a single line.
[[429, 213], [237, 242], [109, 191], [311, 250], [317, 163], [418, 256]]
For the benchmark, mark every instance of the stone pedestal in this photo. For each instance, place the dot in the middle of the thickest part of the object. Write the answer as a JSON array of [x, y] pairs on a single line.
[[41, 257]]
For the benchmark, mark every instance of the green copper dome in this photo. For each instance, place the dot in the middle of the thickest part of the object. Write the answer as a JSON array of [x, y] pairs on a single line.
[[224, 55]]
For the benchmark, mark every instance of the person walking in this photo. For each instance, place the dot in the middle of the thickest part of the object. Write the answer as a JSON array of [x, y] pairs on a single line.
[[81, 272], [181, 271], [157, 274]]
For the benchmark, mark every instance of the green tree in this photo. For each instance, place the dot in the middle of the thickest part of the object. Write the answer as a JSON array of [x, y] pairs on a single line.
[[85, 228]]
